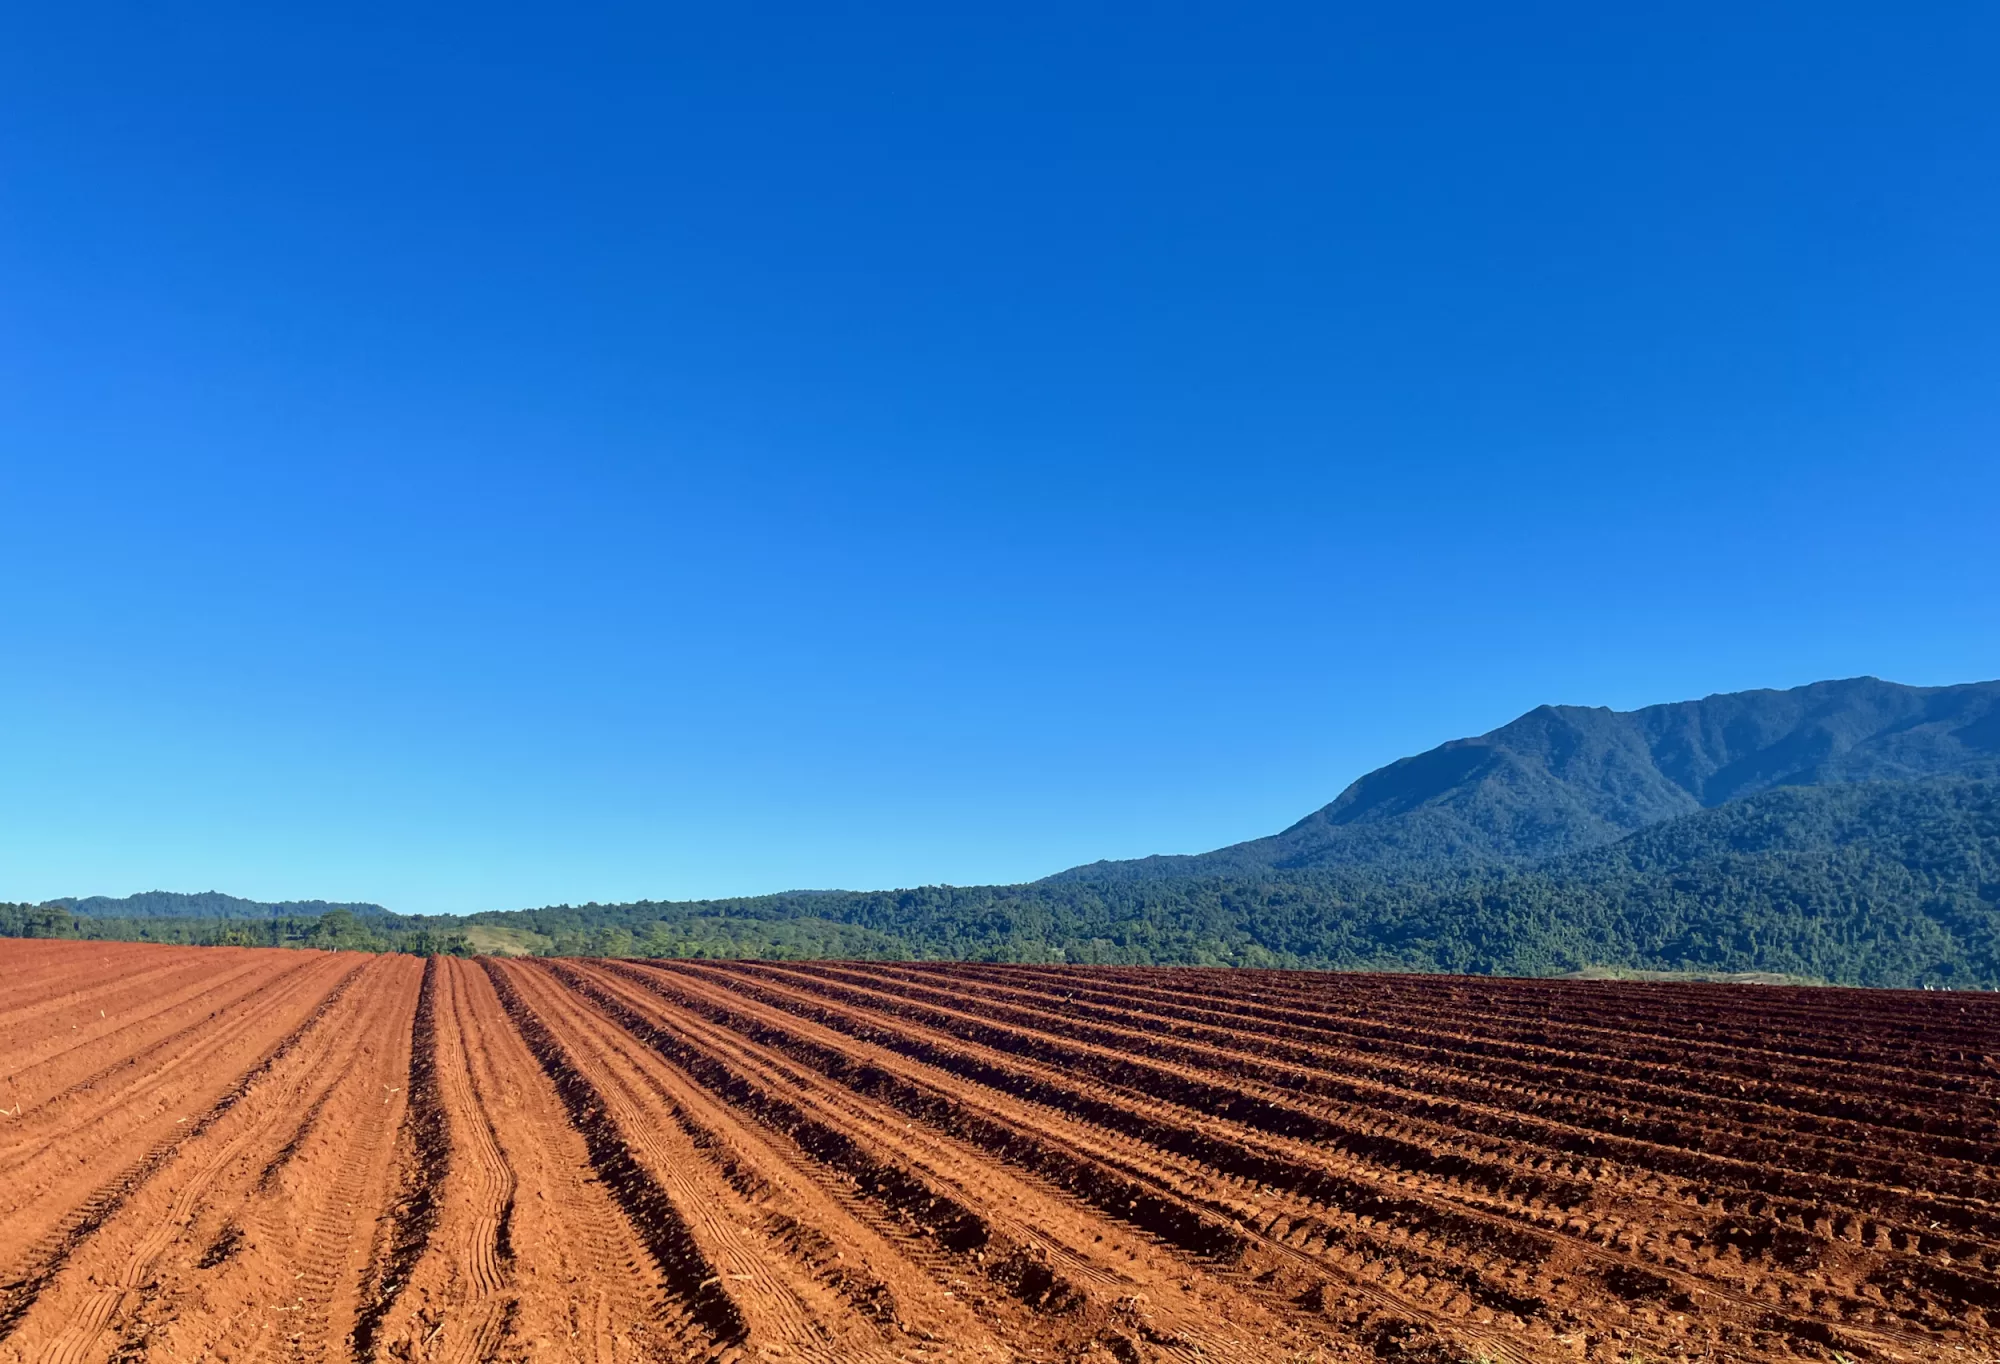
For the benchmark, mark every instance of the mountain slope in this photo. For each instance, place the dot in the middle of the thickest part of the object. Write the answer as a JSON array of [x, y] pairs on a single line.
[[1877, 883], [1880, 883], [1565, 778]]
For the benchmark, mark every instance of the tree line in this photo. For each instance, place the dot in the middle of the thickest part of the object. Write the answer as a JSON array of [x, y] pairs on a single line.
[[1892, 884], [336, 930]]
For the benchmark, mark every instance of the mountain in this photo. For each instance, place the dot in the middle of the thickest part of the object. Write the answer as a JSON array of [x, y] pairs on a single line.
[[1846, 831], [210, 904], [1565, 778], [1875, 883]]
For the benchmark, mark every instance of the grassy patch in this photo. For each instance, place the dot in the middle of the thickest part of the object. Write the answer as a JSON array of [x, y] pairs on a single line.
[[504, 942]]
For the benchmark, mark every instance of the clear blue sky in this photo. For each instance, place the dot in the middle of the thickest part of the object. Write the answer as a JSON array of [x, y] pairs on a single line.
[[473, 456]]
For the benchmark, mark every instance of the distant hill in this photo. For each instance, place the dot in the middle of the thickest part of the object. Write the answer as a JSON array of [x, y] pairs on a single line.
[[1877, 883], [1847, 831], [1565, 778], [208, 904]]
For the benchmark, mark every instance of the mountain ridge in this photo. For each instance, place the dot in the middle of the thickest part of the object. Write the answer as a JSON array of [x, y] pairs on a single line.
[[1561, 779], [1847, 831], [1888, 883]]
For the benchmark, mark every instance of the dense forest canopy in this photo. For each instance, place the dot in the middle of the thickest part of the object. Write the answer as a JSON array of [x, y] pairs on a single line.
[[208, 904], [1846, 831], [1874, 884], [336, 929]]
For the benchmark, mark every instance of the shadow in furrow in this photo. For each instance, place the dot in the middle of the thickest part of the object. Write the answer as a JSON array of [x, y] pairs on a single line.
[[659, 1224], [1018, 1269], [426, 1141]]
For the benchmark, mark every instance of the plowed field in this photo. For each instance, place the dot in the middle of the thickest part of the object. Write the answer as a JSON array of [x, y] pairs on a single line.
[[213, 1153]]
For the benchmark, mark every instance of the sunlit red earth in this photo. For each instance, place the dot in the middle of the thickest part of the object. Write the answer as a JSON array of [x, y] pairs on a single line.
[[215, 1153]]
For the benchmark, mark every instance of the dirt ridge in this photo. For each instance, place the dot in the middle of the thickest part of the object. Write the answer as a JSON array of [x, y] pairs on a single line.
[[688, 1274], [426, 1143], [19, 1295], [256, 1155]]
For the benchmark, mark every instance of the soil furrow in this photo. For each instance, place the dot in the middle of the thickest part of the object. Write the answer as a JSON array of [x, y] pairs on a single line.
[[426, 1160], [1030, 1226], [19, 1295], [256, 1155], [1279, 1099], [688, 1275]]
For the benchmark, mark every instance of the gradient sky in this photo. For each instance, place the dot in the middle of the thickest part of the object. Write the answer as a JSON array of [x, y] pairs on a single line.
[[475, 456]]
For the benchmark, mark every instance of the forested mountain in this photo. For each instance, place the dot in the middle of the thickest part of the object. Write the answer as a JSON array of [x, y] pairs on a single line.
[[1848, 831], [209, 904], [1889, 883], [1565, 778]]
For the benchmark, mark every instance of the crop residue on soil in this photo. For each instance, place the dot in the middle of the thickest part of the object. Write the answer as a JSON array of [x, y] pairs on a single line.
[[234, 1154]]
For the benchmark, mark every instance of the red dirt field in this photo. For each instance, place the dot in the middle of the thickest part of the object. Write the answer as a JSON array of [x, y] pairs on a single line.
[[228, 1154]]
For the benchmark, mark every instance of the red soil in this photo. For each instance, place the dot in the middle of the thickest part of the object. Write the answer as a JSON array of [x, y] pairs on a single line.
[[232, 1154]]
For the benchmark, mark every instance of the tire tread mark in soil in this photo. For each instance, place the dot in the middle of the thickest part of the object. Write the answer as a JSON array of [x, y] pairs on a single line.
[[1146, 1063], [503, 1220], [803, 1242], [267, 1179], [427, 1162], [1232, 1158], [1504, 1083], [1755, 1249], [1746, 1186], [200, 987], [1357, 1199], [1219, 1097], [957, 1228], [689, 1275], [1148, 1209], [1047, 1155], [1749, 1095], [18, 1296], [184, 1042]]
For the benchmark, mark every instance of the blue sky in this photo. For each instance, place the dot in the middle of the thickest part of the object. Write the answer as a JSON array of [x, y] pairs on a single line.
[[490, 456]]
